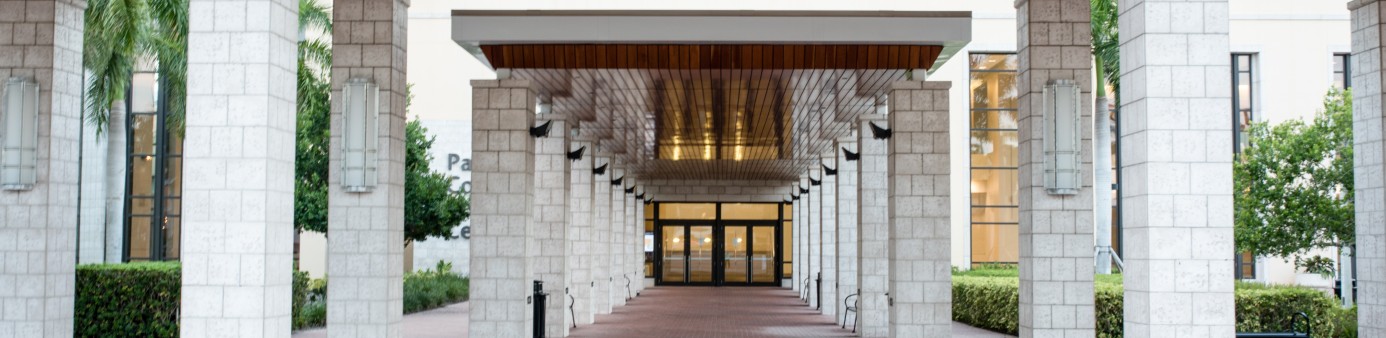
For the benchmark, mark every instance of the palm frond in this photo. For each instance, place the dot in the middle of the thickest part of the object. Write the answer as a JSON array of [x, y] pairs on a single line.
[[113, 37], [312, 15]]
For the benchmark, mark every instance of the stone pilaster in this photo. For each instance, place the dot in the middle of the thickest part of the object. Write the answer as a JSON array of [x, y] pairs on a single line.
[[1056, 244], [1369, 182], [815, 234], [365, 236], [640, 241], [804, 220], [38, 232], [550, 226], [617, 260], [828, 200], [873, 255], [580, 231], [601, 234], [503, 173], [846, 223], [796, 283], [633, 246], [1176, 168], [920, 233]]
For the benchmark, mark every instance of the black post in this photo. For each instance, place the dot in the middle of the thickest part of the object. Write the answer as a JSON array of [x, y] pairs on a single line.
[[819, 281], [539, 298]]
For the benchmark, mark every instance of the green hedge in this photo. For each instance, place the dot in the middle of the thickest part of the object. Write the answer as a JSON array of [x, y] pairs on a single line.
[[990, 299], [127, 300], [423, 290]]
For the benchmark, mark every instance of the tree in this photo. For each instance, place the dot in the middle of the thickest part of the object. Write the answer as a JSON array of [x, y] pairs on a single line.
[[431, 209], [1294, 186], [116, 34], [1105, 52]]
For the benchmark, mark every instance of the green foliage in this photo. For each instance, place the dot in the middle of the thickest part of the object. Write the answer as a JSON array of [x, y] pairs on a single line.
[[314, 121], [300, 299], [991, 303], [990, 299], [1294, 184], [127, 300], [429, 289], [1106, 44], [431, 207], [115, 35]]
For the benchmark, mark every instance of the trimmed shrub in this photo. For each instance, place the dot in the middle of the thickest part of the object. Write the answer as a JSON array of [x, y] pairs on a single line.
[[991, 303], [989, 299], [127, 300], [435, 288]]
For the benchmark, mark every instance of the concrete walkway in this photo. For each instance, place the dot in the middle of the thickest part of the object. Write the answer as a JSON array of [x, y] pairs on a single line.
[[677, 312]]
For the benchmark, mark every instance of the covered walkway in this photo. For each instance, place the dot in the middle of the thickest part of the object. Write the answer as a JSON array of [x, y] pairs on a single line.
[[713, 312]]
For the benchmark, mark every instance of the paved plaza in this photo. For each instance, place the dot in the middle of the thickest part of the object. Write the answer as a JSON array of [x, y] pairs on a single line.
[[677, 312]]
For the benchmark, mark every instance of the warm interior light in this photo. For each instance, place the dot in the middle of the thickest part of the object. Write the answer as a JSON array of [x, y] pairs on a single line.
[[676, 239], [707, 240]]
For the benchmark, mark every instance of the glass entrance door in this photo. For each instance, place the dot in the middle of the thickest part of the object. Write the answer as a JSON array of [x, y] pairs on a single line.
[[712, 254]]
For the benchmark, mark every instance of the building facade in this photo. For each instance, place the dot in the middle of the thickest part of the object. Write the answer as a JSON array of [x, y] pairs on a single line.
[[972, 110]]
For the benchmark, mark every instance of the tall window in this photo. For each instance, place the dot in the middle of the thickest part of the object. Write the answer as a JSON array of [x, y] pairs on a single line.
[[1342, 70], [154, 174], [994, 143], [1243, 103], [1243, 100]]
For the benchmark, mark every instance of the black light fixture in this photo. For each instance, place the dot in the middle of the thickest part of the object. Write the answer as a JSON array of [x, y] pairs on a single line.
[[849, 155], [541, 130], [600, 170], [641, 196], [788, 201], [617, 181], [877, 132], [813, 182], [829, 171], [630, 190], [796, 197], [803, 190], [576, 154]]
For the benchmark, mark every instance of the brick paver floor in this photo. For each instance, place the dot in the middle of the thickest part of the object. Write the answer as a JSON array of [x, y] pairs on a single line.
[[713, 312]]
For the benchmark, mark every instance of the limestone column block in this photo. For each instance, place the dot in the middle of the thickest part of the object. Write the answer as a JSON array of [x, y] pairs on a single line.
[[503, 176], [601, 224], [1056, 231], [1178, 223], [616, 277], [920, 233], [796, 241], [1370, 202], [580, 231], [873, 255], [365, 237], [815, 236], [846, 223], [550, 226], [828, 200], [38, 227]]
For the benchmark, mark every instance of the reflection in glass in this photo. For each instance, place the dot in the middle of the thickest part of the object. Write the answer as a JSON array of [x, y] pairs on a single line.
[[735, 254], [139, 238], [688, 211], [750, 211], [675, 260], [763, 254], [995, 243], [787, 246], [700, 254], [172, 227]]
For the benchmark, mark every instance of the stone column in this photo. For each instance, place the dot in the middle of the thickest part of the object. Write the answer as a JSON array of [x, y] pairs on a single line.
[[601, 234], [503, 172], [640, 241], [635, 230], [920, 232], [805, 222], [873, 255], [846, 223], [815, 234], [580, 230], [796, 242], [365, 234], [1369, 182], [550, 227], [617, 259], [39, 230], [828, 198], [1056, 243], [1176, 168]]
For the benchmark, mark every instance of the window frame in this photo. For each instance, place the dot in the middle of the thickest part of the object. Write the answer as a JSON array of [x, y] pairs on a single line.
[[162, 153], [1236, 96], [972, 109]]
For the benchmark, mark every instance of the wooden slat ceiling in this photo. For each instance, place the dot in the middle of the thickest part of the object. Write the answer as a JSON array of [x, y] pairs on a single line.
[[695, 123]]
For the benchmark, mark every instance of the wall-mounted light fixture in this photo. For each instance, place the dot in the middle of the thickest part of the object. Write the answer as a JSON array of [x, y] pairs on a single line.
[[829, 171], [19, 134], [618, 180], [630, 190], [576, 154], [879, 133], [360, 134], [541, 130], [813, 182], [1061, 138], [598, 171], [803, 190], [849, 155]]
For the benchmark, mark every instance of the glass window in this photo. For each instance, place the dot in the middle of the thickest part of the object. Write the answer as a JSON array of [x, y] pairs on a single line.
[[689, 211], [750, 211], [994, 144], [1246, 266], [154, 174], [1342, 70], [1243, 100]]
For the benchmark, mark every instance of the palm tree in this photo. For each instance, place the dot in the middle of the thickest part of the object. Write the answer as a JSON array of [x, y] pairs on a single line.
[[116, 34], [1105, 48], [314, 115]]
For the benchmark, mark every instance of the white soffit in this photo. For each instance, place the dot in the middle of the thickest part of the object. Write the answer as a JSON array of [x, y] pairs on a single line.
[[473, 28]]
